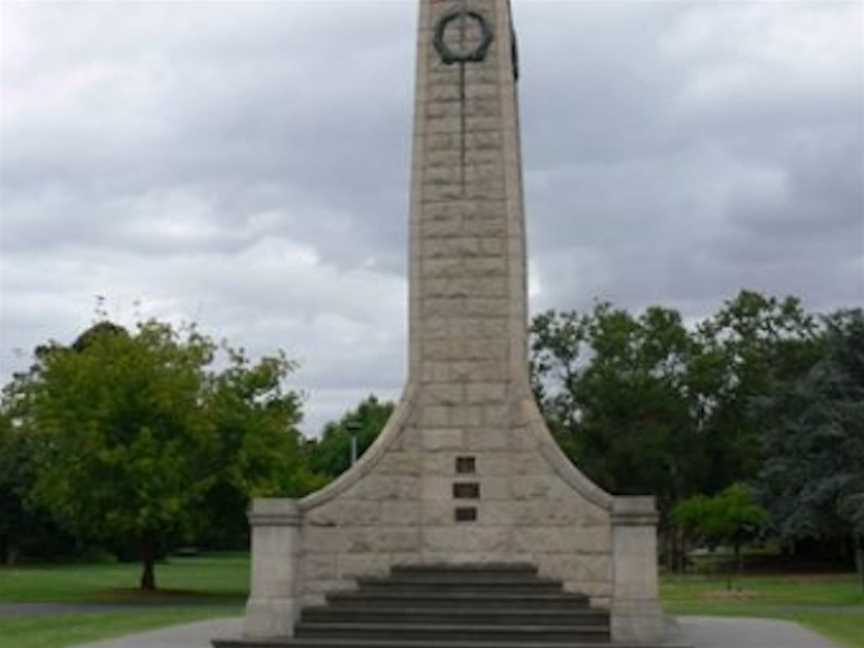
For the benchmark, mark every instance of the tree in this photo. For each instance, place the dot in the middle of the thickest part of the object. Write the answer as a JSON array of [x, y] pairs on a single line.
[[331, 455], [730, 517], [14, 482], [257, 449], [134, 433], [646, 404], [814, 440], [615, 392], [752, 343], [24, 529]]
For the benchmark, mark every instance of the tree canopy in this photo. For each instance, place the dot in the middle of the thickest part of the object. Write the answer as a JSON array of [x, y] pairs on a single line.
[[814, 438], [646, 403], [330, 455], [134, 435], [732, 516], [142, 439]]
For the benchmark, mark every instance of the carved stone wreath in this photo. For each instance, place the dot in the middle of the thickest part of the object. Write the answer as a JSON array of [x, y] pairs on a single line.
[[478, 53]]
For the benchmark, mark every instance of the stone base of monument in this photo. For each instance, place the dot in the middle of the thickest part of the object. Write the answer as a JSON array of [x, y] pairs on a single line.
[[451, 606]]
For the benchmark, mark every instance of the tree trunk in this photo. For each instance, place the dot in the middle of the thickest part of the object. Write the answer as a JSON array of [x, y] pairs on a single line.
[[739, 559], [8, 551], [681, 550], [672, 553], [148, 562], [663, 547], [859, 558]]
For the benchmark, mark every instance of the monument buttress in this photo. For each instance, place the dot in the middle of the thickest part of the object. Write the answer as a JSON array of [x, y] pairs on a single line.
[[465, 471]]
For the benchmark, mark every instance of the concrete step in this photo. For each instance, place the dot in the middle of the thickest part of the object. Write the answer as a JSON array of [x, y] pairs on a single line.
[[478, 583], [521, 601], [286, 642], [449, 577], [470, 616], [450, 632], [453, 606], [465, 568]]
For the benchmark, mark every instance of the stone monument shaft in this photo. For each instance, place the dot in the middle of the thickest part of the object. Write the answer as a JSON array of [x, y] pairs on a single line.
[[465, 471], [467, 280]]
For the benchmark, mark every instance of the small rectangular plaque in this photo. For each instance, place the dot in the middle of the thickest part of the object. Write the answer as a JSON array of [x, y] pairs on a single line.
[[466, 514], [466, 465], [466, 490]]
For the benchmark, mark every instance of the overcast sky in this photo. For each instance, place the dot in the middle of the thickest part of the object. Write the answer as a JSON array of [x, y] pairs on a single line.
[[245, 165]]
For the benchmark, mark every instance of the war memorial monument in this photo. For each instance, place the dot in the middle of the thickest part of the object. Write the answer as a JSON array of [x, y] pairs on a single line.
[[464, 524]]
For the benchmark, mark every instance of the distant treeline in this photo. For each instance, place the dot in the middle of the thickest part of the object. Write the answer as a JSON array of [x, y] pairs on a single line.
[[136, 442]]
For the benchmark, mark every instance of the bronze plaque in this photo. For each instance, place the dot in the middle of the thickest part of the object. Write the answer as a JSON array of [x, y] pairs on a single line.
[[466, 514], [466, 490], [466, 465]]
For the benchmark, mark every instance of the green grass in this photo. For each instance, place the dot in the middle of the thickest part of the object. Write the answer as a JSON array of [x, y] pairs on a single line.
[[71, 629], [212, 586], [831, 604], [190, 589], [216, 577]]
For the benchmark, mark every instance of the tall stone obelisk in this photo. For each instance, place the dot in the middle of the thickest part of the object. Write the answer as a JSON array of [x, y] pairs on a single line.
[[465, 471], [468, 284]]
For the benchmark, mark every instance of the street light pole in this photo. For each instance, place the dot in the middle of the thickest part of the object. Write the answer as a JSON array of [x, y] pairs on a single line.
[[353, 428]]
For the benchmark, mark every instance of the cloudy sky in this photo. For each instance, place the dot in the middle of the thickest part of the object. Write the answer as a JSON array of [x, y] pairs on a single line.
[[245, 165]]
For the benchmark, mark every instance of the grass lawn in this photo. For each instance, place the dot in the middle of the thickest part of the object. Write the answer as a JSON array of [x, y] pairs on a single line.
[[831, 604], [73, 629], [191, 589], [215, 585], [210, 577]]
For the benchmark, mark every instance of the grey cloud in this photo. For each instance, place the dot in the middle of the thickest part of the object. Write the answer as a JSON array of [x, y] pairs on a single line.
[[247, 165]]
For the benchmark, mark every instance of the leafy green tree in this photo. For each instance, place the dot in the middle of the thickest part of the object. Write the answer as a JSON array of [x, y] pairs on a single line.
[[15, 480], [730, 517], [615, 391], [814, 440], [331, 455], [257, 451], [623, 397], [24, 529], [646, 404], [749, 345], [134, 434], [559, 353]]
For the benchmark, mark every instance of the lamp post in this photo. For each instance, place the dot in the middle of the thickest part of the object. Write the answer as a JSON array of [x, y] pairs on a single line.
[[353, 426]]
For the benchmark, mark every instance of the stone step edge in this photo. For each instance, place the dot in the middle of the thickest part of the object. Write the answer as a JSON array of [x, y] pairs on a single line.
[[407, 611], [289, 642], [436, 577], [446, 627], [569, 597], [439, 583], [466, 567]]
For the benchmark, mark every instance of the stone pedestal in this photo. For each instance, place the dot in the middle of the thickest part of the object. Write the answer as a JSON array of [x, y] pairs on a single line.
[[636, 612], [272, 607]]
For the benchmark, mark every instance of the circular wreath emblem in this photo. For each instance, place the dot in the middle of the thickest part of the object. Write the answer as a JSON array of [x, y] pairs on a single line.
[[477, 53]]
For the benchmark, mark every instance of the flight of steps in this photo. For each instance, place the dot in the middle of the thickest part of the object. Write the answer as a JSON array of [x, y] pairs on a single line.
[[464, 606]]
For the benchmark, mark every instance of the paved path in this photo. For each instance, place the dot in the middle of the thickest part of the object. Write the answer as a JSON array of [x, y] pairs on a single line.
[[733, 632], [701, 632], [192, 635], [54, 609]]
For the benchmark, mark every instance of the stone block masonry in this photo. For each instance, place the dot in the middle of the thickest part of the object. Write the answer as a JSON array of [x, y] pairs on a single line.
[[465, 471]]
